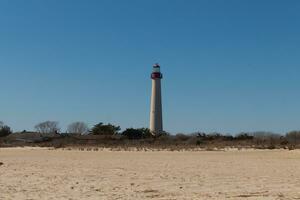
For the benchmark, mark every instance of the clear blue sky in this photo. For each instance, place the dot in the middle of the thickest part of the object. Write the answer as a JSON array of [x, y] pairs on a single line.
[[229, 65]]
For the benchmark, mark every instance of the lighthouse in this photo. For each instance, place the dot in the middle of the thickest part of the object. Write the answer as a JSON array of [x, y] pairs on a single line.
[[156, 120]]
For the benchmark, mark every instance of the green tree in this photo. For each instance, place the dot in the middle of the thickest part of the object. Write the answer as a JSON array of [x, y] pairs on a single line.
[[105, 129]]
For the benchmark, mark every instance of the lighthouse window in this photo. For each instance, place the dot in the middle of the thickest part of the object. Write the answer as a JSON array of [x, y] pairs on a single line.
[[156, 69]]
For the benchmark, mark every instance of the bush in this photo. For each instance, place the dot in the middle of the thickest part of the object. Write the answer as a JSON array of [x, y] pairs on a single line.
[[293, 137], [5, 131], [182, 137], [135, 134], [199, 142], [271, 146], [105, 129], [265, 136], [244, 136]]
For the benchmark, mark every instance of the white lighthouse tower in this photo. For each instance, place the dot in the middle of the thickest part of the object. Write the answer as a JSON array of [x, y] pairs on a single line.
[[156, 120]]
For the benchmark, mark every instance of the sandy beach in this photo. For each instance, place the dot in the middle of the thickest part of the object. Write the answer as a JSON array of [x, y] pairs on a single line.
[[36, 173]]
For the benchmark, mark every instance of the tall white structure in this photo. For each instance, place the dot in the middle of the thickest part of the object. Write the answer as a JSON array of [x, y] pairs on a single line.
[[156, 120]]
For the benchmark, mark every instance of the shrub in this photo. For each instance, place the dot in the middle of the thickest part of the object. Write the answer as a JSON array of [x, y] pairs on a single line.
[[291, 147], [271, 146], [261, 135], [181, 137], [244, 136], [5, 131], [105, 129], [135, 134], [199, 142], [293, 137]]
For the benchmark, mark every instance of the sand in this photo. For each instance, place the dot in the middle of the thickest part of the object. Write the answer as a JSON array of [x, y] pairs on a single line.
[[35, 173]]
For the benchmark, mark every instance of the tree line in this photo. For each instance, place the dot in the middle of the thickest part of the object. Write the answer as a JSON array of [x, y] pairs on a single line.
[[81, 128]]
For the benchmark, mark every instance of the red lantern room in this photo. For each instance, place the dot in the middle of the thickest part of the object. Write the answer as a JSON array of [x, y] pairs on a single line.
[[156, 72]]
